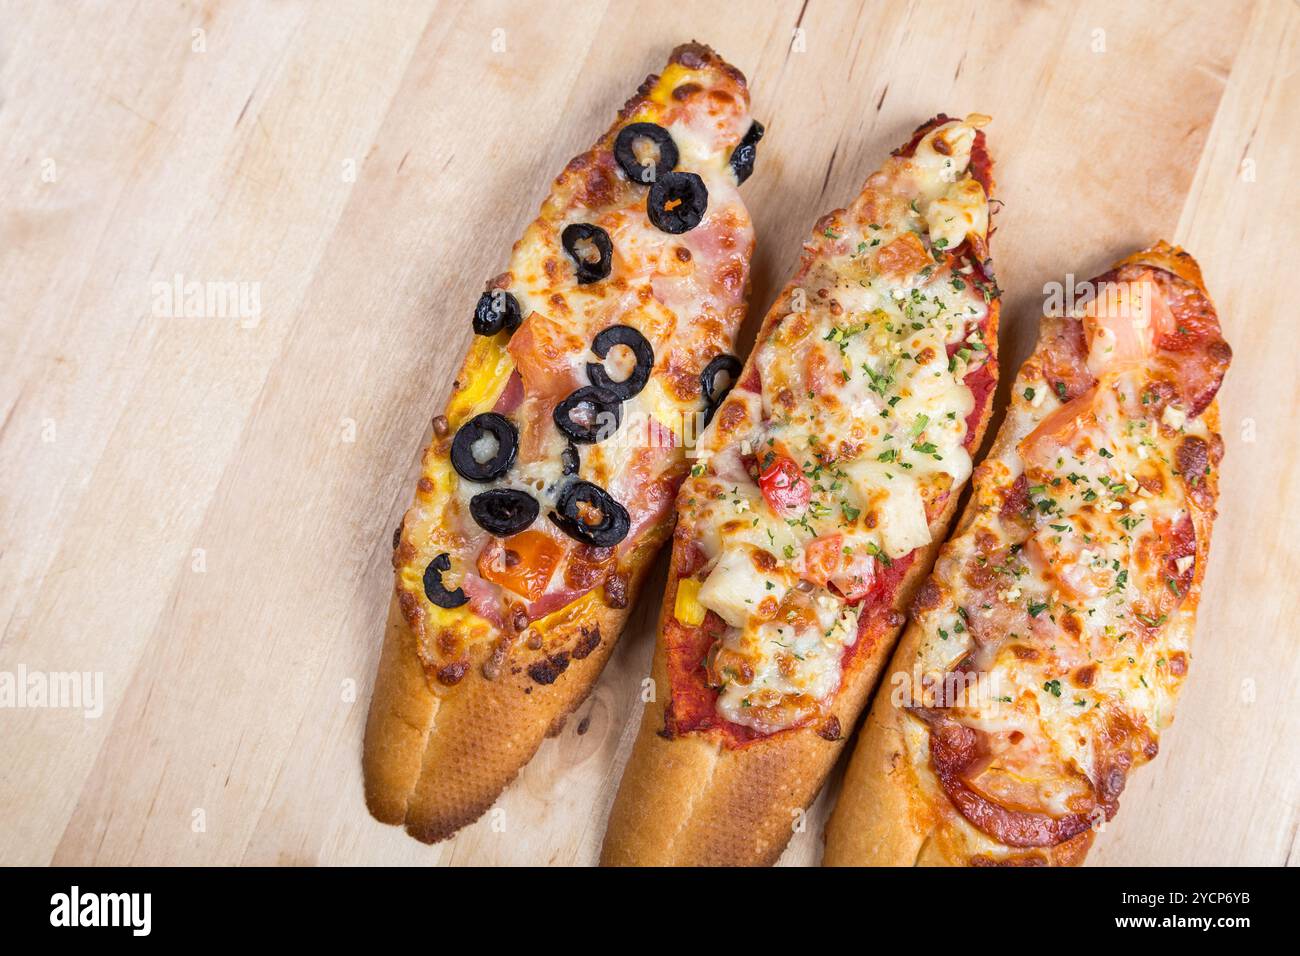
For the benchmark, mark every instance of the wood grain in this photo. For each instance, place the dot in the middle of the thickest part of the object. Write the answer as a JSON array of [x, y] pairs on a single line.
[[200, 509]]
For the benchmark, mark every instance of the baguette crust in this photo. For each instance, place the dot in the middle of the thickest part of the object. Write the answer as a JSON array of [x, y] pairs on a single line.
[[437, 761], [892, 810], [461, 701], [693, 799]]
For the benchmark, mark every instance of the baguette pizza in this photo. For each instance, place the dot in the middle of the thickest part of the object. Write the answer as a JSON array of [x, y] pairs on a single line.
[[813, 509], [547, 486], [1045, 654]]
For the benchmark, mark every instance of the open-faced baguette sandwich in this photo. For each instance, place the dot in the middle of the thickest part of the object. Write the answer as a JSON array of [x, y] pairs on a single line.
[[548, 485], [1044, 656], [814, 508]]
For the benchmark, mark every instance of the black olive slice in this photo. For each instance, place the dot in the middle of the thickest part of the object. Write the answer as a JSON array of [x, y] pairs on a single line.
[[573, 517], [709, 377], [593, 404], [497, 309], [742, 157], [626, 156], [709, 382], [433, 589], [462, 447], [677, 202], [504, 511], [597, 239], [570, 462], [645, 360]]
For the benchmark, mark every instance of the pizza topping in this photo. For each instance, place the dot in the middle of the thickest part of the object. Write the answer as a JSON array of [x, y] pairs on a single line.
[[645, 152], [677, 202], [523, 563], [589, 514], [503, 511], [485, 447], [570, 460], [433, 587], [642, 352], [814, 488], [591, 414], [727, 365], [590, 249], [1069, 596], [497, 309], [674, 301], [742, 157], [786, 489]]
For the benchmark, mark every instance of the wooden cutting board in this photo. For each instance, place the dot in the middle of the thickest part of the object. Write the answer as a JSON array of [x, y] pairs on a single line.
[[200, 509]]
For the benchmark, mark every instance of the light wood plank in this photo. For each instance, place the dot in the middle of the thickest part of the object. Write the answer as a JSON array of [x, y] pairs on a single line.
[[285, 450]]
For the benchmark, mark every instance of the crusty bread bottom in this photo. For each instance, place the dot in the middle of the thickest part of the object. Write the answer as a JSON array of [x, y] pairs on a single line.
[[886, 815], [436, 758], [692, 801]]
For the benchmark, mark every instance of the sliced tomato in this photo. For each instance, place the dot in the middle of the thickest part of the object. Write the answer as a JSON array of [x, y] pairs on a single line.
[[856, 576], [822, 558], [522, 563], [786, 489], [542, 351], [1129, 320], [1060, 430], [1117, 324], [827, 565]]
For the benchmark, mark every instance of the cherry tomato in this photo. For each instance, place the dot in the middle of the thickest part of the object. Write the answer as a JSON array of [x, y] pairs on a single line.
[[786, 489]]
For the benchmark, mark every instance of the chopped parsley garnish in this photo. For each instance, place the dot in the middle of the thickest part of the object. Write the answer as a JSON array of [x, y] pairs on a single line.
[[874, 550]]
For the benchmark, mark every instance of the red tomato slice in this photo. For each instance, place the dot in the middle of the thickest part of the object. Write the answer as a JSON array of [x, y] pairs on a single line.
[[541, 350], [522, 563], [786, 489], [856, 576], [822, 558]]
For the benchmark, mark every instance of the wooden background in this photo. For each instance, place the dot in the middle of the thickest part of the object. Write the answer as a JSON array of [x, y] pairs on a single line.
[[201, 508]]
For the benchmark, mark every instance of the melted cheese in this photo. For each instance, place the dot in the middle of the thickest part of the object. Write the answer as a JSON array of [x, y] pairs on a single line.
[[684, 293], [863, 388], [1077, 611]]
